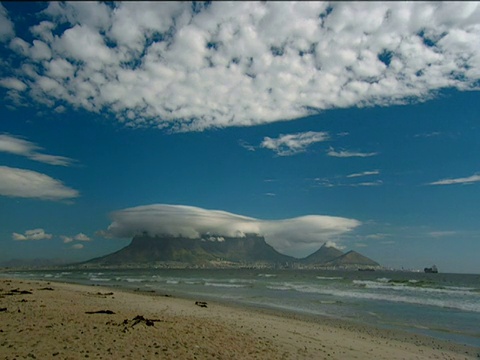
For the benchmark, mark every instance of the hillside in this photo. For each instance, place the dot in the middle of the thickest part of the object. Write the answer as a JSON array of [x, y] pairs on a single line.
[[352, 259], [322, 255], [216, 251]]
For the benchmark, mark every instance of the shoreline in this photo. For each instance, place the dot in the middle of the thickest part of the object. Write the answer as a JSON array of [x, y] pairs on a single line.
[[44, 318]]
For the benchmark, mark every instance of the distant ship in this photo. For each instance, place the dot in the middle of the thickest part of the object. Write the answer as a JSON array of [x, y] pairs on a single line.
[[432, 270]]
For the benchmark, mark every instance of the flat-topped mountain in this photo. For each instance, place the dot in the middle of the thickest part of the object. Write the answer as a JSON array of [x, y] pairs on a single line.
[[148, 250], [218, 251]]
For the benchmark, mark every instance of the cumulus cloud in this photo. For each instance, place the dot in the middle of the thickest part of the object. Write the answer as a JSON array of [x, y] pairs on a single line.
[[466, 180], [333, 244], [66, 239], [35, 234], [292, 144], [195, 66], [78, 237], [6, 26], [31, 184], [12, 84], [347, 154], [18, 146], [82, 237], [78, 246], [298, 236]]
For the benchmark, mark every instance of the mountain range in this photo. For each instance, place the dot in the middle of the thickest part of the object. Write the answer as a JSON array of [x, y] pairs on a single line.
[[219, 251]]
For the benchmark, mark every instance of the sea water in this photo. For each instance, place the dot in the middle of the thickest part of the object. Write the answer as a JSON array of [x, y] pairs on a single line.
[[445, 306]]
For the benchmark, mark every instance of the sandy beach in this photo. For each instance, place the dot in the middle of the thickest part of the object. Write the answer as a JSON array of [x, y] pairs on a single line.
[[48, 320]]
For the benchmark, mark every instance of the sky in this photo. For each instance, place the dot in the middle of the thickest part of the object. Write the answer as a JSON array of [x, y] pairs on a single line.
[[354, 124]]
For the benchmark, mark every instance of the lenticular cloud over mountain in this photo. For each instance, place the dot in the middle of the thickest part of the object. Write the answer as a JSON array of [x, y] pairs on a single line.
[[296, 236]]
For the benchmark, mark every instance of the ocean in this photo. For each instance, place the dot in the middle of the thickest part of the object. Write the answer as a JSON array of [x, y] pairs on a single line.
[[444, 306]]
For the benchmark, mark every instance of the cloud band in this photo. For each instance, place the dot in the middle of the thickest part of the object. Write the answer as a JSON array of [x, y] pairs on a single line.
[[295, 236], [220, 64]]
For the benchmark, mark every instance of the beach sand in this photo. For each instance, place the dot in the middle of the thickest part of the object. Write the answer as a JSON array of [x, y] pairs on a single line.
[[50, 320]]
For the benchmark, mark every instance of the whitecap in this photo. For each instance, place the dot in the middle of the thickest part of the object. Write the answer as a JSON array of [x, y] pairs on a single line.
[[225, 285]]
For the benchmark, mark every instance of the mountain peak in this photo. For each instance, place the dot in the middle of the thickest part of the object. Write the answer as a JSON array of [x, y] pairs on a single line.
[[352, 259], [324, 254]]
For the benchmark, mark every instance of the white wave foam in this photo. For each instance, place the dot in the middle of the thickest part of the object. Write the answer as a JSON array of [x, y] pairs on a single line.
[[193, 282], [465, 301], [407, 287], [279, 287], [471, 304], [225, 285]]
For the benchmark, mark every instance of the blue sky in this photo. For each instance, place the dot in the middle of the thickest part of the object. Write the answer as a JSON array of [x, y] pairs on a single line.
[[293, 120]]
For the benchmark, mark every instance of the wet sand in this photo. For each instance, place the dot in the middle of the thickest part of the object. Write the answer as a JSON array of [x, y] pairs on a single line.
[[50, 320]]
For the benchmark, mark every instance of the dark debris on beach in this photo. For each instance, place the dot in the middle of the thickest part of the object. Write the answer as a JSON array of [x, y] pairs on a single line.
[[201, 304], [18, 292], [108, 312]]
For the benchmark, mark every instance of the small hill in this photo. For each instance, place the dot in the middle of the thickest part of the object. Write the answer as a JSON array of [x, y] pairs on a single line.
[[352, 259], [322, 255]]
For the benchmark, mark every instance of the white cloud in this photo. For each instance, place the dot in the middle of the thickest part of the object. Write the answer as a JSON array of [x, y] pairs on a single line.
[[368, 183], [377, 236], [31, 184], [466, 180], [78, 237], [244, 63], [78, 246], [16, 145], [6, 26], [66, 239], [296, 236], [35, 234], [438, 234], [428, 135], [333, 244], [82, 237], [347, 154], [246, 145], [292, 144], [335, 182], [13, 84], [361, 245], [364, 173]]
